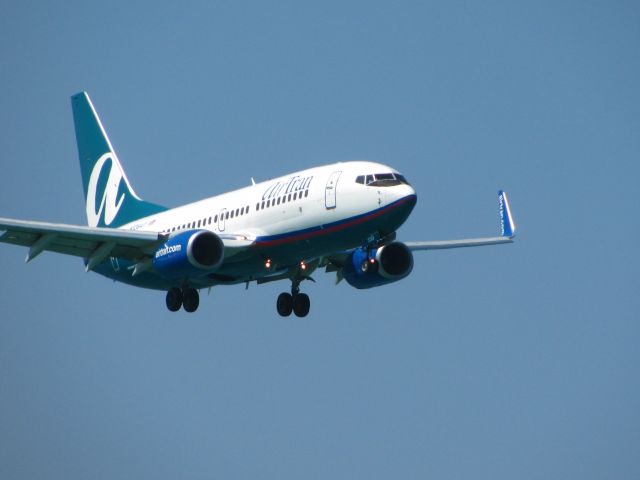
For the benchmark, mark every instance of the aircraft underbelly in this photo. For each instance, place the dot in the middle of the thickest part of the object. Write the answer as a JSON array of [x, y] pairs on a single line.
[[284, 250]]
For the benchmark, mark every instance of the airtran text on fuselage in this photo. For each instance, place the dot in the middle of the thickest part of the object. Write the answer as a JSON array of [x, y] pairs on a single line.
[[294, 184]]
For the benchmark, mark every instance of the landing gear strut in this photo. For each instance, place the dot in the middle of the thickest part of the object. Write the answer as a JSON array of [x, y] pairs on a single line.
[[188, 298], [295, 302]]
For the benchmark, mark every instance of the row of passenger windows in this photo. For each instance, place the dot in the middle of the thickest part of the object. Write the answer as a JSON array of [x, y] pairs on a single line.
[[212, 219], [291, 197], [382, 180], [238, 212]]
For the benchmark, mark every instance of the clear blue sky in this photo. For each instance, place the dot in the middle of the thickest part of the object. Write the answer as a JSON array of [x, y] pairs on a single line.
[[519, 361]]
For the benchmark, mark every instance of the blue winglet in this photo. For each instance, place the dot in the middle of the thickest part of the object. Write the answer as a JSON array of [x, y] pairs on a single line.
[[506, 220]]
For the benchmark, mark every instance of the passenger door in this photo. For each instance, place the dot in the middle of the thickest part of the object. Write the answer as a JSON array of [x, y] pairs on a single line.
[[330, 190]]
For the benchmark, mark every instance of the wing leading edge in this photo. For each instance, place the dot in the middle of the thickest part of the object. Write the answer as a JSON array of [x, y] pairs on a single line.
[[508, 230]]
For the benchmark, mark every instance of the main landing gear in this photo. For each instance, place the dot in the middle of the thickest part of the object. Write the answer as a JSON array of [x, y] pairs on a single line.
[[188, 298], [295, 302]]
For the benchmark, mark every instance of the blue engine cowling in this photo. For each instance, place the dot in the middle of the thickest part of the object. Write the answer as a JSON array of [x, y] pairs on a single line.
[[386, 264], [190, 253]]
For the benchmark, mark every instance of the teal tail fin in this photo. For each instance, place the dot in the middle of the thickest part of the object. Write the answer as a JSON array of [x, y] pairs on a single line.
[[110, 199]]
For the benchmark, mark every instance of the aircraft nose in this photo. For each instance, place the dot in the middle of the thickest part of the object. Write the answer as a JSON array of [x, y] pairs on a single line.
[[407, 192]]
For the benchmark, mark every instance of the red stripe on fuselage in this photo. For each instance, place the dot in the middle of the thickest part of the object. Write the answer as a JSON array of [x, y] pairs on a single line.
[[334, 228]]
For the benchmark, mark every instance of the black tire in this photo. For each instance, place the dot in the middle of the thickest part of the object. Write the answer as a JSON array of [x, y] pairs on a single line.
[[190, 299], [174, 299], [301, 304], [284, 305]]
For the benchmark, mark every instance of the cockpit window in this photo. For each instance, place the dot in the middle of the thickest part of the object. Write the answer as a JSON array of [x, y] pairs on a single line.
[[382, 180]]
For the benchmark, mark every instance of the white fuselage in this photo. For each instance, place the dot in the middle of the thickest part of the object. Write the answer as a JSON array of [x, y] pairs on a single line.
[[309, 198]]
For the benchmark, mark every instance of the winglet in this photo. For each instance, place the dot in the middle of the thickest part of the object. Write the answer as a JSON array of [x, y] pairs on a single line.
[[506, 220]]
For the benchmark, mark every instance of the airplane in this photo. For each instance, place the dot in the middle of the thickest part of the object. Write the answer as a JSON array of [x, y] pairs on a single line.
[[341, 217]]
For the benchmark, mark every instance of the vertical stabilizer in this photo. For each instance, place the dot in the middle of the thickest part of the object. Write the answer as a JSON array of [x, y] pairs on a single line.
[[110, 198]]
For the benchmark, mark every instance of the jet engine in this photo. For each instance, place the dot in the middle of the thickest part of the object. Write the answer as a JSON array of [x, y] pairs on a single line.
[[190, 253], [386, 264]]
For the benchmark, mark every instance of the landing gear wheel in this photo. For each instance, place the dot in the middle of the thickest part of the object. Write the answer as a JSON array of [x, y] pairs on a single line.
[[284, 304], [301, 305], [174, 299], [190, 299]]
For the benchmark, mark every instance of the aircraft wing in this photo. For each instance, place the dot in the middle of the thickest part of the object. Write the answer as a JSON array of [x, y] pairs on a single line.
[[96, 243], [92, 243], [336, 261], [508, 231], [467, 242]]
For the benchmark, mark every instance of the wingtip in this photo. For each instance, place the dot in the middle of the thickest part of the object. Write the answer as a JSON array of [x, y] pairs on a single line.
[[507, 225]]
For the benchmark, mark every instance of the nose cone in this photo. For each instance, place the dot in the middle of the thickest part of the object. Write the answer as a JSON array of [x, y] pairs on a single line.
[[406, 193], [402, 200]]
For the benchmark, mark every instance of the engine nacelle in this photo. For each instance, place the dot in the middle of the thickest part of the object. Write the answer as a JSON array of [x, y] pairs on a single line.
[[386, 264], [191, 253]]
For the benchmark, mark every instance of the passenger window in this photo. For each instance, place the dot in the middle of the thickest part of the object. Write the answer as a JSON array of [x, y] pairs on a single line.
[[215, 219], [262, 205], [295, 195], [226, 217], [289, 198], [237, 211], [278, 201], [306, 193]]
